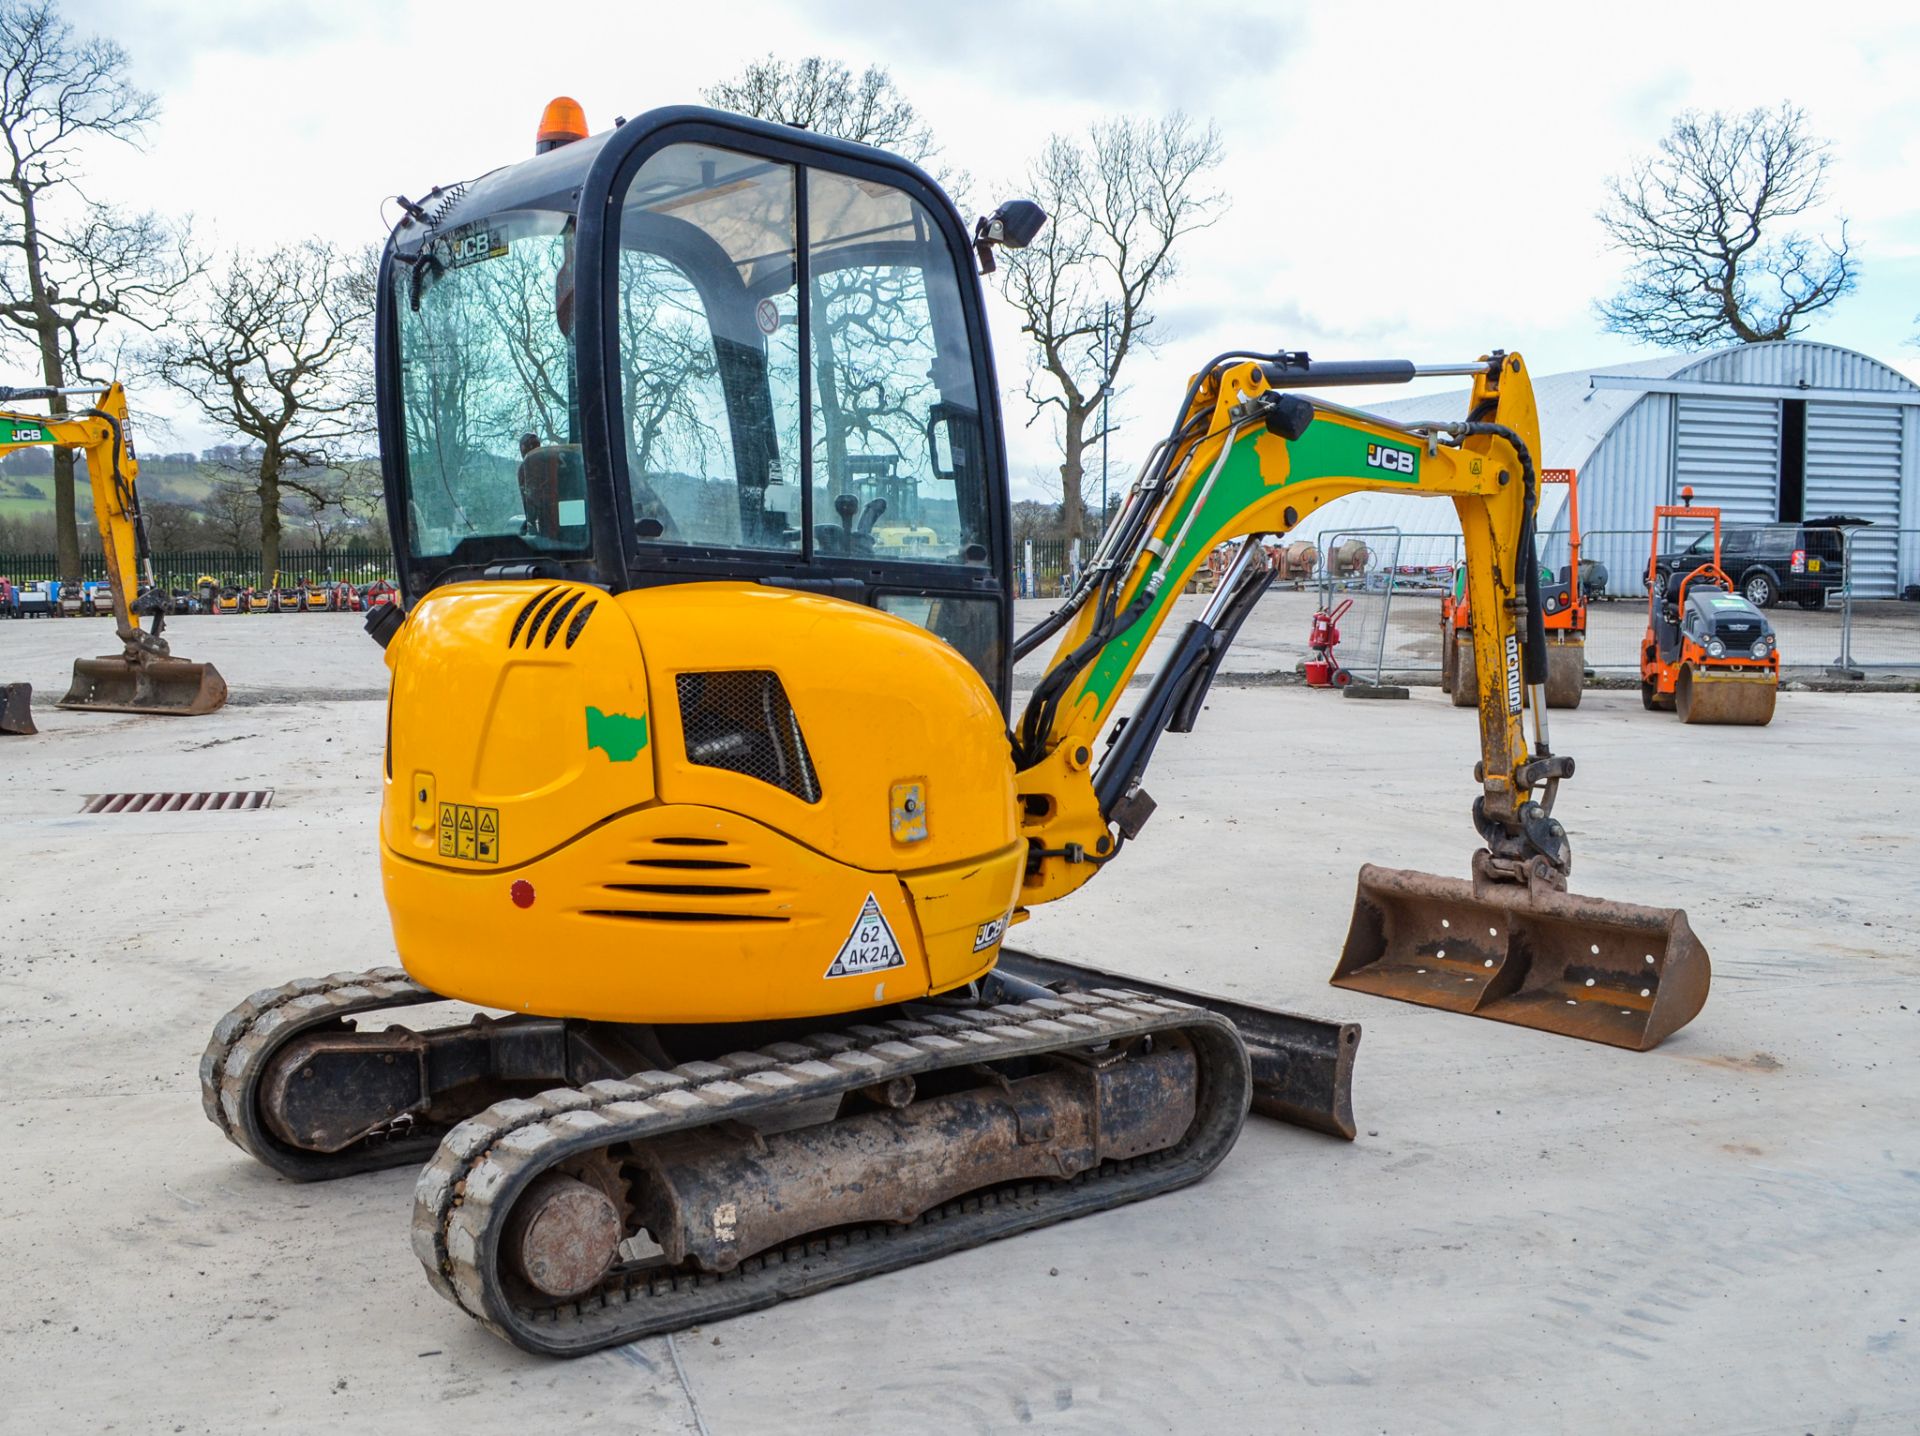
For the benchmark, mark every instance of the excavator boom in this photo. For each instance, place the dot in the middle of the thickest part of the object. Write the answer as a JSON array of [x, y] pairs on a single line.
[[144, 677], [1250, 457]]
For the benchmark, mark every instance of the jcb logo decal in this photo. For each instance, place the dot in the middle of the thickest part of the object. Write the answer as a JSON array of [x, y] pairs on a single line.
[[1396, 461]]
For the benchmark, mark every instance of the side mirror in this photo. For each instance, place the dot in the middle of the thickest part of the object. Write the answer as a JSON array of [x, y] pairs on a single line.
[[1014, 224]]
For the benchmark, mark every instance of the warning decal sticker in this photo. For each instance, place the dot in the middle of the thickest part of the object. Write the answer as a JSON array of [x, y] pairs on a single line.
[[469, 832], [870, 947]]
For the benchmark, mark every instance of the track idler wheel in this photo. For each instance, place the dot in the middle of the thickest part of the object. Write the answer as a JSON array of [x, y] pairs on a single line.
[[1730, 698], [562, 1236]]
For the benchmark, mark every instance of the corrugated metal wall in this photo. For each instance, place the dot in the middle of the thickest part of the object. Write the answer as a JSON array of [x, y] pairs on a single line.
[[1631, 470], [1910, 498], [1793, 362], [1853, 467], [1729, 451]]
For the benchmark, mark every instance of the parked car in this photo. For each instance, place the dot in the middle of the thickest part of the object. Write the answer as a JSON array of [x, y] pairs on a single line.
[[36, 600], [1768, 562]]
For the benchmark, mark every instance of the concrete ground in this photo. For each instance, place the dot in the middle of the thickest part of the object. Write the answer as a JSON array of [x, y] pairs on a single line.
[[1531, 1233]]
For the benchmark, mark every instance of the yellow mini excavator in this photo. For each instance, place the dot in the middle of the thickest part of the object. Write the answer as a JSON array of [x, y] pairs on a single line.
[[727, 808], [143, 677]]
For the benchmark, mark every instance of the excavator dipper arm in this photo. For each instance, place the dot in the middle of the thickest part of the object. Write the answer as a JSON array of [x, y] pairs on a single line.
[[1250, 457]]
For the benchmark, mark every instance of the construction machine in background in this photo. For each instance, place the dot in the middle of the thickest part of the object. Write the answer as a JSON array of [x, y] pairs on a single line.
[[1563, 602], [144, 677], [1295, 562], [1709, 654], [730, 813]]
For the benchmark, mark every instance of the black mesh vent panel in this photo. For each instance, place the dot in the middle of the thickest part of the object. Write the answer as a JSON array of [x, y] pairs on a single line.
[[742, 721]]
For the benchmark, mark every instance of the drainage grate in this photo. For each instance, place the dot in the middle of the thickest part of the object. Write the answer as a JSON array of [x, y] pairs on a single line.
[[177, 802]]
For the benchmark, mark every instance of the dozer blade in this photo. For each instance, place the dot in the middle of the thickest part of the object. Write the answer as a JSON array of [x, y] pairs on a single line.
[[16, 708], [1740, 699], [119, 684], [1610, 972]]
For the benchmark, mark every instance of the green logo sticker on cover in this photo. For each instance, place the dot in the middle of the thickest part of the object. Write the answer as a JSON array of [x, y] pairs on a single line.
[[621, 738]]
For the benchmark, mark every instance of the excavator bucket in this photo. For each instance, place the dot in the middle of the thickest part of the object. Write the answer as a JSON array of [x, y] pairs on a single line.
[[147, 684], [16, 708], [1610, 972], [1743, 699]]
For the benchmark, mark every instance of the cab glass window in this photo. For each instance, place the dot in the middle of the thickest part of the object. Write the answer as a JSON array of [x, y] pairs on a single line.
[[488, 397], [897, 463], [707, 319]]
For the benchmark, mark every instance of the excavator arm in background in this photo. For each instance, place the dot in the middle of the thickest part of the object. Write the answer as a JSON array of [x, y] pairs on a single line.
[[144, 677], [1250, 457]]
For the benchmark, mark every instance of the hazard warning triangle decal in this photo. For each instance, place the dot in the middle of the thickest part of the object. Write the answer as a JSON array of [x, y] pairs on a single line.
[[870, 947]]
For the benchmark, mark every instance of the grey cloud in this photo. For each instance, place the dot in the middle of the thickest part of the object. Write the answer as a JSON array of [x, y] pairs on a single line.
[[1130, 56], [162, 37]]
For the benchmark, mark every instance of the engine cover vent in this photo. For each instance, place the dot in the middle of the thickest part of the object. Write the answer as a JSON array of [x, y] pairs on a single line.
[[543, 614], [741, 721]]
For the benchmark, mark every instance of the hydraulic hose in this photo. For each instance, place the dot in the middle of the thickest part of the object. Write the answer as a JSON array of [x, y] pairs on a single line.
[[1534, 642]]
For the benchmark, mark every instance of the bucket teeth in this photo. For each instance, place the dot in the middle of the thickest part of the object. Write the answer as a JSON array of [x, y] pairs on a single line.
[[1611, 972], [118, 684]]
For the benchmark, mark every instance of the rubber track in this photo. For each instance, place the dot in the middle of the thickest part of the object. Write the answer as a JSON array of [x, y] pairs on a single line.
[[464, 1195], [243, 1046]]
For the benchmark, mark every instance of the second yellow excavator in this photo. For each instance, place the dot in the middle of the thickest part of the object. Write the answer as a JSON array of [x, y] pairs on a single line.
[[727, 808], [145, 676]]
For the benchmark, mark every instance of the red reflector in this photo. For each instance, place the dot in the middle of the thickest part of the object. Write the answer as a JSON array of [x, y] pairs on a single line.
[[521, 893], [1799, 560]]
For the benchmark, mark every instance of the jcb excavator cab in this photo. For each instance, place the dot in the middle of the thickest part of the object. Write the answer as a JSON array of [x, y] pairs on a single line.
[[668, 352]]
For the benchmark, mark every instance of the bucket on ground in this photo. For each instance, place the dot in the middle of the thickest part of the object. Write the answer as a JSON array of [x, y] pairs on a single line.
[[1611, 972]]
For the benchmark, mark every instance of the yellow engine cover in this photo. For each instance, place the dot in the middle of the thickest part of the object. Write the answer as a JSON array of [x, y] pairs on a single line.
[[700, 803]]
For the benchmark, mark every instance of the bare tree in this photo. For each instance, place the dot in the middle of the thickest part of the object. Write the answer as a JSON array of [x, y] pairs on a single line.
[[871, 327], [69, 266], [276, 356], [172, 527], [1120, 204], [331, 502], [1705, 222], [826, 97], [230, 512]]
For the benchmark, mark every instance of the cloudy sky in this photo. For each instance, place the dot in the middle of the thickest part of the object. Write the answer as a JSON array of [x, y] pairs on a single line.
[[1410, 181]]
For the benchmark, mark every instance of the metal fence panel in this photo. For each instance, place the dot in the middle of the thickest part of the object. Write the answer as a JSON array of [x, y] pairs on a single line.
[[239, 570], [1881, 633]]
